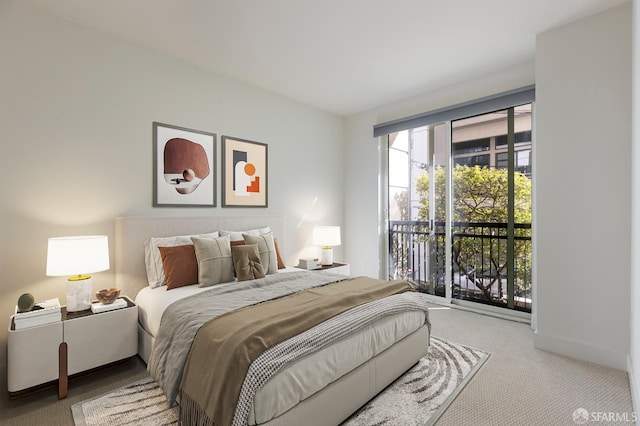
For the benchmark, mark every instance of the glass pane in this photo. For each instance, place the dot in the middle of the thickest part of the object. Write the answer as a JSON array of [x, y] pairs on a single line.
[[399, 140], [398, 168], [412, 190], [398, 203], [523, 162], [480, 208]]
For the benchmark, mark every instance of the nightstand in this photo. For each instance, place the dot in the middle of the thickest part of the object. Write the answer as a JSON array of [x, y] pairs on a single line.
[[336, 268], [80, 342]]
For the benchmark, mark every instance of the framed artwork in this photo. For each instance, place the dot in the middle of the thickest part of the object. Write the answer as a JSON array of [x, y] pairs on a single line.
[[244, 173], [184, 171]]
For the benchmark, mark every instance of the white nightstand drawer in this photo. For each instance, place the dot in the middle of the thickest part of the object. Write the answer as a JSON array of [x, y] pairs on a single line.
[[32, 355], [100, 339]]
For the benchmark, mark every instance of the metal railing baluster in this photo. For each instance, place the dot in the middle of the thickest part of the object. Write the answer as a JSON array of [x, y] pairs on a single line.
[[479, 261]]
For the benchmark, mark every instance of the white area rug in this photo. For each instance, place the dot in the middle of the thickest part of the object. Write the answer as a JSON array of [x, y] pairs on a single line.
[[419, 397], [423, 393], [139, 404]]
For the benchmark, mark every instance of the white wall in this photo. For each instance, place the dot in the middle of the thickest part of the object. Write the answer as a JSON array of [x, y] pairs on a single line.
[[583, 177], [76, 113], [362, 157], [634, 353]]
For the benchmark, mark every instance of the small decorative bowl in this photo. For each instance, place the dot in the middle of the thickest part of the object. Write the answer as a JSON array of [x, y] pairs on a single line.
[[107, 297]]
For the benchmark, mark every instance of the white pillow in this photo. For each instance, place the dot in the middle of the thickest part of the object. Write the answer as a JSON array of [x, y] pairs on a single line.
[[237, 235], [153, 259]]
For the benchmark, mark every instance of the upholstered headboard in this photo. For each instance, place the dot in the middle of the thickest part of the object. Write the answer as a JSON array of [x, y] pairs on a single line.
[[133, 231]]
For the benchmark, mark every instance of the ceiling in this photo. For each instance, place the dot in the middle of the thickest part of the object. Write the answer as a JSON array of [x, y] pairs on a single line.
[[342, 56]]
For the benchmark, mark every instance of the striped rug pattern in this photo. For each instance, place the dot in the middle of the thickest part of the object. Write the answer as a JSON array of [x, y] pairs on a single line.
[[139, 404], [419, 397], [422, 394]]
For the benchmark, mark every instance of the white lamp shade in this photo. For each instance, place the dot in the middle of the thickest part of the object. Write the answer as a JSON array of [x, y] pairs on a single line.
[[326, 236], [77, 255]]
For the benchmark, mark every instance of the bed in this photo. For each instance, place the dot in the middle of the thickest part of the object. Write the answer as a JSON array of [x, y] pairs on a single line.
[[406, 335]]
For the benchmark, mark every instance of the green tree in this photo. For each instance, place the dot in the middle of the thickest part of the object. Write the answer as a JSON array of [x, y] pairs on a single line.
[[480, 195], [399, 208]]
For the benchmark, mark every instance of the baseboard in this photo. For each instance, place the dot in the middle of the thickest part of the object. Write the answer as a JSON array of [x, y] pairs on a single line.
[[582, 351], [634, 385], [479, 308]]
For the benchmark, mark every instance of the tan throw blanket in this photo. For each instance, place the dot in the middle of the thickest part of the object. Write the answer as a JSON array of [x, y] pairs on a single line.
[[225, 347], [183, 318]]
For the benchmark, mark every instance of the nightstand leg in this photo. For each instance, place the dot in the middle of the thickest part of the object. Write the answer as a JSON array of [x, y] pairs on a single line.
[[63, 379]]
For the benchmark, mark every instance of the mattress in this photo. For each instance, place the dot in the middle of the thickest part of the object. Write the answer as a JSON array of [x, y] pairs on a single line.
[[304, 377]]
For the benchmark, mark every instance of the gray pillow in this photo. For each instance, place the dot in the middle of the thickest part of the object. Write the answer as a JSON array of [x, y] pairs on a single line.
[[246, 262], [266, 250], [214, 260]]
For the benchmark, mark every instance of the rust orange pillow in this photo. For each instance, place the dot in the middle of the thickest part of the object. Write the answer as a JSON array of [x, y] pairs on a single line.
[[180, 265], [281, 264]]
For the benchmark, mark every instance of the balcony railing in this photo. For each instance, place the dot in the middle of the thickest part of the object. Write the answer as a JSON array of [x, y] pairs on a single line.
[[480, 260]]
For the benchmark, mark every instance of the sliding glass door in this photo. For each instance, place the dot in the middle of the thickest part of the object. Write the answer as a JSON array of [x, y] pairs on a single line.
[[491, 199], [460, 208], [417, 164]]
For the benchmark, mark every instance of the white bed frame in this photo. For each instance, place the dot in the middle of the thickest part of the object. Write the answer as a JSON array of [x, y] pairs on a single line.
[[331, 405]]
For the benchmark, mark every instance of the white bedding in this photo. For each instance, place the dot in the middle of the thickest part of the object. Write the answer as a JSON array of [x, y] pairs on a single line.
[[306, 376], [152, 302]]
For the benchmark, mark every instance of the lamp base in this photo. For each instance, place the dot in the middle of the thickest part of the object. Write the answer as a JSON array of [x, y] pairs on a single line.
[[327, 256], [79, 293]]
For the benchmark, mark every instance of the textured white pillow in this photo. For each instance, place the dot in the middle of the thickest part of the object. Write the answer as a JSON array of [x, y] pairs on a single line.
[[153, 259], [266, 250], [237, 235]]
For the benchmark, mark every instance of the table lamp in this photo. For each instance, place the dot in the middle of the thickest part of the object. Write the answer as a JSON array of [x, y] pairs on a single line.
[[327, 237], [77, 257]]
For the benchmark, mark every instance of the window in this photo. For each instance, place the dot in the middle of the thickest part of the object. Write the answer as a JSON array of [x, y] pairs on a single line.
[[522, 138], [465, 234], [473, 160]]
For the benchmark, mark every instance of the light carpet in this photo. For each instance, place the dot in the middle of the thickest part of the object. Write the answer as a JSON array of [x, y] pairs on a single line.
[[419, 397]]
